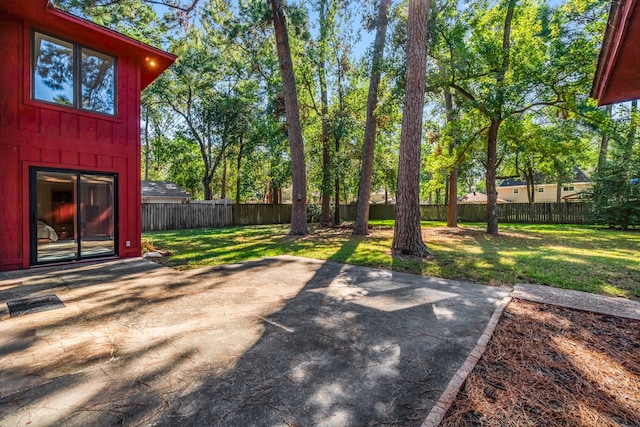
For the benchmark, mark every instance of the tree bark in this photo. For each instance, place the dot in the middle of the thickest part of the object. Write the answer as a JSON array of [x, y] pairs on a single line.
[[361, 226], [294, 127], [490, 178], [206, 185], [146, 143], [496, 121], [604, 144], [407, 235], [238, 165], [325, 188], [223, 183], [633, 126], [452, 187], [336, 191]]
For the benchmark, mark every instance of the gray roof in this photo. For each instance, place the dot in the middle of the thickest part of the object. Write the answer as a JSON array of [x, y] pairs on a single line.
[[578, 176], [163, 189]]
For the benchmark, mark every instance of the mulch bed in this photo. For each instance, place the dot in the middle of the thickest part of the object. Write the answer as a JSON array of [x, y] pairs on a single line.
[[553, 366]]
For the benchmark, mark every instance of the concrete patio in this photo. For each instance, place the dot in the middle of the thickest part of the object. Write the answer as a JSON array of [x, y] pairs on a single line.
[[276, 341]]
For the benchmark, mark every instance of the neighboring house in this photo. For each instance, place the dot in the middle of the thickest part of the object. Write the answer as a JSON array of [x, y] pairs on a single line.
[[476, 198], [515, 190], [69, 136], [163, 192]]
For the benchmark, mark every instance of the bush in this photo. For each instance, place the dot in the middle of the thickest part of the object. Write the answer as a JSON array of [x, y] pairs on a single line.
[[314, 212], [616, 195]]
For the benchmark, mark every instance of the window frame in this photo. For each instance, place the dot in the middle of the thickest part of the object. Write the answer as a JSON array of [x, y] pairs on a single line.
[[569, 188], [540, 189], [516, 191], [77, 49]]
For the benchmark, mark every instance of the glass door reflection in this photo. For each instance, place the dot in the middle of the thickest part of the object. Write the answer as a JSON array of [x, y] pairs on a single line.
[[56, 216], [97, 215], [73, 215]]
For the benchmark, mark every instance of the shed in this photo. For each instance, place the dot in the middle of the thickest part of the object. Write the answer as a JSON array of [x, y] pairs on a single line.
[[163, 192]]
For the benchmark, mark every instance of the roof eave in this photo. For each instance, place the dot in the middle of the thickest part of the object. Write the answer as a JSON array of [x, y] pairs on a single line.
[[152, 61], [613, 43]]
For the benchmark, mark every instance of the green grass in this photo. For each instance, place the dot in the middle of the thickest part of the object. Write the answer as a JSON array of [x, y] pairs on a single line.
[[574, 257]]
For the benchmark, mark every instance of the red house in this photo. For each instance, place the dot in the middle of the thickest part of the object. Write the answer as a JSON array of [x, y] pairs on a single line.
[[617, 77], [69, 136]]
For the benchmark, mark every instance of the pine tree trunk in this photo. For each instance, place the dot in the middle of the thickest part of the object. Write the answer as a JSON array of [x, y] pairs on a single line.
[[223, 184], [452, 207], [452, 183], [294, 128], [490, 179], [336, 190], [146, 143], [633, 126], [407, 235], [325, 188], [361, 226], [604, 144], [238, 165]]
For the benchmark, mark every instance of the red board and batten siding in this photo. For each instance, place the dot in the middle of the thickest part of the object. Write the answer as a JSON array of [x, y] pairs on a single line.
[[37, 134]]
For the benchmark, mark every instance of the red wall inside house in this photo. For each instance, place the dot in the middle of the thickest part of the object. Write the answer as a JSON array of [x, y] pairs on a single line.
[[41, 135]]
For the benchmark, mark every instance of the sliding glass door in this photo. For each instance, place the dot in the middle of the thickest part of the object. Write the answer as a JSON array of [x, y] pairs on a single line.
[[73, 215]]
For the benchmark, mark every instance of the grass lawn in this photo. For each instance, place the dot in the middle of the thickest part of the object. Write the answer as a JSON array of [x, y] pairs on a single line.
[[575, 257]]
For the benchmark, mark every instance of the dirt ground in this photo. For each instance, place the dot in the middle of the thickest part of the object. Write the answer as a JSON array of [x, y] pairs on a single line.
[[552, 366]]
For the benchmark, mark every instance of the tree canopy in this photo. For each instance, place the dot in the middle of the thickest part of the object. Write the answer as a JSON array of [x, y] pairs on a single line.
[[506, 95]]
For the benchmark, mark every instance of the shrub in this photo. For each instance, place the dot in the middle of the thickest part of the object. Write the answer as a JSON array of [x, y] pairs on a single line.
[[616, 195]]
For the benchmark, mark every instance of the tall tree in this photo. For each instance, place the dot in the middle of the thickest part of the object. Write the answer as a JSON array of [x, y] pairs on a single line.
[[326, 17], [361, 226], [452, 179], [294, 127], [407, 235], [604, 143]]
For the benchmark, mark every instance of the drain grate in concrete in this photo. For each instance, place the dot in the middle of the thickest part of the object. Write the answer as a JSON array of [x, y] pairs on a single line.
[[20, 307]]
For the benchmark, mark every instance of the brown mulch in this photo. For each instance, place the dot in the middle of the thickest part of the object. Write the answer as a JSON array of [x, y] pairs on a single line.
[[553, 366]]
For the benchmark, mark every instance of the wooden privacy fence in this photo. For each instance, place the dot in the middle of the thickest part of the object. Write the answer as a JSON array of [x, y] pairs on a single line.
[[537, 213], [252, 214], [173, 216], [177, 216]]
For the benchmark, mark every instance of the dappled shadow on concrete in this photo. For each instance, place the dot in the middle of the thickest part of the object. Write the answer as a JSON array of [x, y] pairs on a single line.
[[356, 346], [274, 341]]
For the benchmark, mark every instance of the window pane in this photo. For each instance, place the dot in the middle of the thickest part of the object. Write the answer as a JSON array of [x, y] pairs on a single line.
[[98, 82], [53, 70]]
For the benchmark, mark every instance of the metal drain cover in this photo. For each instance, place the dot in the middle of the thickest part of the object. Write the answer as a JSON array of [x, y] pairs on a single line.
[[20, 307]]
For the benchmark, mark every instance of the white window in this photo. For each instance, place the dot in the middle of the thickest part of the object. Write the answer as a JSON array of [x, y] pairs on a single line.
[[569, 188], [516, 191], [540, 190]]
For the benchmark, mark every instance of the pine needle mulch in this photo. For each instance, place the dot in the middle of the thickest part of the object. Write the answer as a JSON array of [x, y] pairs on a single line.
[[553, 366]]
